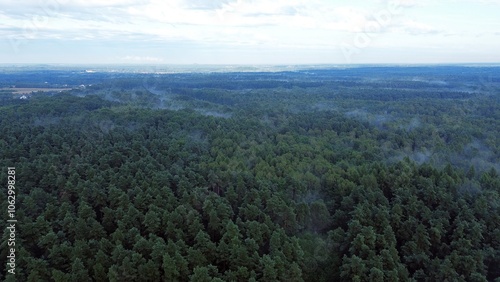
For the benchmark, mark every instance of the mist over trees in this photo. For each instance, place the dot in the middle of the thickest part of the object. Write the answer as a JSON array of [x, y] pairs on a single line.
[[362, 174]]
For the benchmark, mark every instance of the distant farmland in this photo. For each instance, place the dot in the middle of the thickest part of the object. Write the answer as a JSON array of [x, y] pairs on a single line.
[[22, 91]]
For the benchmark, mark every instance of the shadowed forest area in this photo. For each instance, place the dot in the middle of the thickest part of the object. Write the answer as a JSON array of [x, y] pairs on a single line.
[[324, 174]]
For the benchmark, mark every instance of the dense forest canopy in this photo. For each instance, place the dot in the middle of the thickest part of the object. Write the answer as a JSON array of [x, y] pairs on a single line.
[[327, 174]]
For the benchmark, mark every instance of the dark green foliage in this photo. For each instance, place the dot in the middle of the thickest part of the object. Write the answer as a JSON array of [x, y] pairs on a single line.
[[277, 192]]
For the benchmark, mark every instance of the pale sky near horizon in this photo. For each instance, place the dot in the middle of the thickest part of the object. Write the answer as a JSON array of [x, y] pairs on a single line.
[[249, 31]]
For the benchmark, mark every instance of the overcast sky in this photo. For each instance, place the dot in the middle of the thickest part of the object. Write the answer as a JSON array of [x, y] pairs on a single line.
[[249, 31]]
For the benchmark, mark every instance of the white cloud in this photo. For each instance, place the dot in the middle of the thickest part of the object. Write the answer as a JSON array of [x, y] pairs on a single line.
[[142, 59], [274, 26], [217, 20], [408, 3], [488, 2], [416, 28]]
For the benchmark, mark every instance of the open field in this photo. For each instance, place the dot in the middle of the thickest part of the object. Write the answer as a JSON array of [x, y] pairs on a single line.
[[22, 91]]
